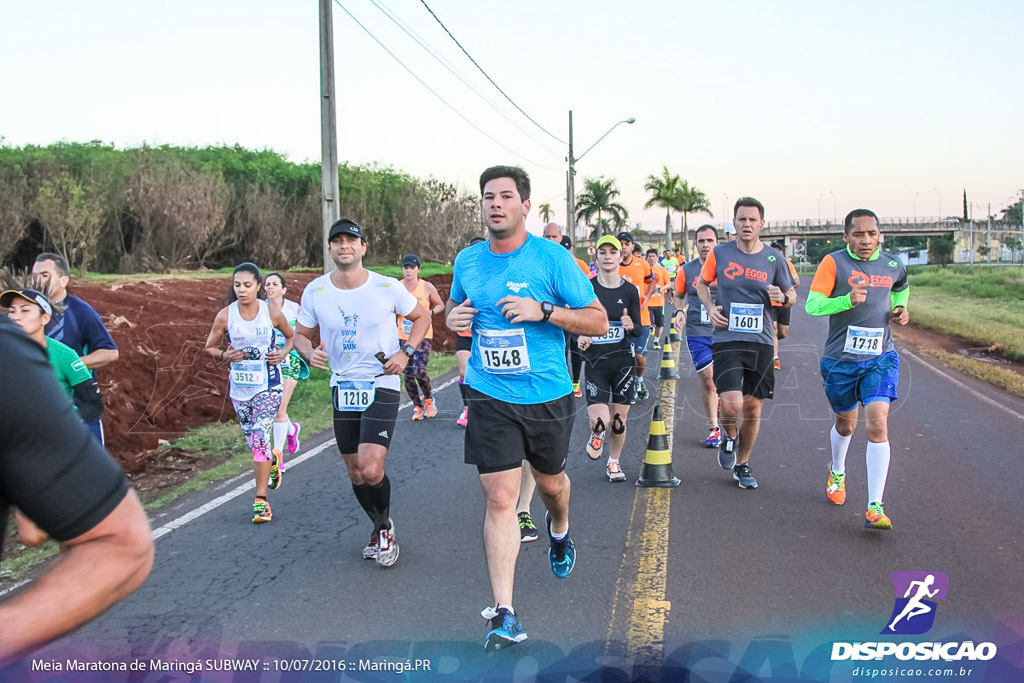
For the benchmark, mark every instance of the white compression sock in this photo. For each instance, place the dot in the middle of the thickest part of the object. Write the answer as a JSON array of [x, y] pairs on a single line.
[[840, 444], [878, 469], [281, 435]]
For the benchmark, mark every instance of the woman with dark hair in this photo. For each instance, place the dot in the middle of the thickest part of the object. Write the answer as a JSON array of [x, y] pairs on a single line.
[[286, 432], [254, 381]]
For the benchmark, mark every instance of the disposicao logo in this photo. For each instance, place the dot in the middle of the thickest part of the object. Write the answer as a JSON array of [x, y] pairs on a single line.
[[913, 613]]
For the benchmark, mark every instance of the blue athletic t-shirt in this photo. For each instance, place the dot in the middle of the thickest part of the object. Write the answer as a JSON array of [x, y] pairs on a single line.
[[523, 363], [79, 327]]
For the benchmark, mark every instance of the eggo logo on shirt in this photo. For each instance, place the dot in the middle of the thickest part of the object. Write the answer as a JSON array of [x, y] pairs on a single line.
[[734, 270], [859, 279]]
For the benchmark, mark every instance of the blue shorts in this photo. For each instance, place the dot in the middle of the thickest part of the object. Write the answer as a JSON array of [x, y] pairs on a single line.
[[700, 352], [640, 343], [848, 383]]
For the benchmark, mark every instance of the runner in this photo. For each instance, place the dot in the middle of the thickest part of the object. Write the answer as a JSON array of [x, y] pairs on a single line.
[[74, 322], [610, 358], [782, 314], [286, 432], [863, 290], [355, 311], [750, 276], [670, 263], [463, 346], [512, 292], [31, 310], [416, 379], [638, 273], [553, 232], [254, 381], [698, 328], [656, 304]]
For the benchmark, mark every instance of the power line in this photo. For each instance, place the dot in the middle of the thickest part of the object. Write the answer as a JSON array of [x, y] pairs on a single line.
[[453, 71], [435, 94], [424, 2]]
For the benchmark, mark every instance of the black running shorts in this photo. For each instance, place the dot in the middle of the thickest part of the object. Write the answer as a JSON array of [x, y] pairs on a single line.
[[501, 435], [463, 343], [610, 381], [782, 314], [376, 424], [657, 313], [744, 366]]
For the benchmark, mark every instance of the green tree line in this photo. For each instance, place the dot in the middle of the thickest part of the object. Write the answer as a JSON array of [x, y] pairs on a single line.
[[162, 208]]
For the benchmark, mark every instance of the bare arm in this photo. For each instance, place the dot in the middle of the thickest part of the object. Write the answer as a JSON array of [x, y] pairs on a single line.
[[303, 341], [95, 570], [591, 320], [216, 338], [100, 357], [714, 312], [436, 304], [420, 318]]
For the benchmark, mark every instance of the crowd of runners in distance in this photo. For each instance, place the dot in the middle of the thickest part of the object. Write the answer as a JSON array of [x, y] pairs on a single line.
[[536, 328]]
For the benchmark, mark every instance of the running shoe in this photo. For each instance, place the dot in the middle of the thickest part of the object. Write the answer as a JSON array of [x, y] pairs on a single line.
[[293, 437], [387, 550], [576, 391], [276, 475], [835, 489], [430, 408], [776, 363], [527, 529], [596, 445], [714, 439], [463, 418], [370, 551], [656, 345], [743, 476], [876, 517], [261, 511], [562, 553], [506, 629], [727, 452], [417, 413], [642, 392], [614, 471]]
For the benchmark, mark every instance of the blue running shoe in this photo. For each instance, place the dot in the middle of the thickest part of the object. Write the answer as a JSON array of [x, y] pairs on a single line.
[[562, 553], [506, 629]]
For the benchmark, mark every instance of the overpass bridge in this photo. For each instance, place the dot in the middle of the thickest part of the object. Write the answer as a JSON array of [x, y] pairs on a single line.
[[808, 228]]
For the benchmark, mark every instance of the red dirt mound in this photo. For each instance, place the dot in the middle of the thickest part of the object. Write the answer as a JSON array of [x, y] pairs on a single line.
[[163, 384]]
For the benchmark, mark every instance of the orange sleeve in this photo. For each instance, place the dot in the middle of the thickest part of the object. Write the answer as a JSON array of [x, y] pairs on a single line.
[[825, 276], [792, 269], [707, 273], [680, 281], [583, 266]]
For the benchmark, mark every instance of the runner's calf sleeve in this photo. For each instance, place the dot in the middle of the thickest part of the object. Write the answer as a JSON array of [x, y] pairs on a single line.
[[380, 496], [618, 426], [462, 390], [362, 492], [599, 426]]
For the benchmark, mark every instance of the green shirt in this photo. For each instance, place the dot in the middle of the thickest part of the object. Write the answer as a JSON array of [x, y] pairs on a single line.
[[70, 369]]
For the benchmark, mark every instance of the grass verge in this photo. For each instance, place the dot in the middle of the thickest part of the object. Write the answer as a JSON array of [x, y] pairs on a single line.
[[987, 372], [987, 321]]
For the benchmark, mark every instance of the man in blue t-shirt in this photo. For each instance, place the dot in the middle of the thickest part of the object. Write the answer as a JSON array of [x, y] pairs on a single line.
[[79, 325], [518, 293]]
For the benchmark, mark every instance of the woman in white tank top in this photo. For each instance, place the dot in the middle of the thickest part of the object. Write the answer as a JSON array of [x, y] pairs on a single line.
[[254, 381], [286, 432]]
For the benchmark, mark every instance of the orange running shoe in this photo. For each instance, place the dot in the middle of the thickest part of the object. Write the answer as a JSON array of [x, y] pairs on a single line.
[[417, 413], [835, 489], [876, 517], [430, 408]]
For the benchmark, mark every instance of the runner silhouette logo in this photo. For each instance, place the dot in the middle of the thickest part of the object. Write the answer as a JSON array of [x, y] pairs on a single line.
[[916, 592]]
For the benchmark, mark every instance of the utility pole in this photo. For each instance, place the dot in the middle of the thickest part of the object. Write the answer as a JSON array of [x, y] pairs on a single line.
[[328, 127], [570, 195], [988, 238]]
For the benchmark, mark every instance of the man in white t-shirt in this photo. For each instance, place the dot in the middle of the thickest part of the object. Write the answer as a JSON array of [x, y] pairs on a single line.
[[355, 311]]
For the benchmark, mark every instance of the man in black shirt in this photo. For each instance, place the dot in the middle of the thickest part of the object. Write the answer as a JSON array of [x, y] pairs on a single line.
[[62, 480]]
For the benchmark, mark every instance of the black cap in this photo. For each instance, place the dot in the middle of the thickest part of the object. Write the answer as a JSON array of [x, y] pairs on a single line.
[[476, 240], [38, 298], [346, 226], [410, 260], [778, 245], [566, 242], [625, 236]]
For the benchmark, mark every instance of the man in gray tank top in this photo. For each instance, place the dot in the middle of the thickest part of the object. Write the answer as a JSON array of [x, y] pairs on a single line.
[[751, 278], [698, 328], [863, 290]]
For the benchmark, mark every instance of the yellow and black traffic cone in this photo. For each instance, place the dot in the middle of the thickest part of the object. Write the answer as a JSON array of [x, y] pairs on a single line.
[[668, 363], [657, 469], [673, 336]]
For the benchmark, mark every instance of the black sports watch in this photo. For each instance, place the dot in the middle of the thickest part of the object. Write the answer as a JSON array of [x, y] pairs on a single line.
[[547, 308], [409, 350]]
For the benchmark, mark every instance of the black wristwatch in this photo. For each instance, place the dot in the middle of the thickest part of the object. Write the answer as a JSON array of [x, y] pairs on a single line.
[[547, 308], [409, 350]]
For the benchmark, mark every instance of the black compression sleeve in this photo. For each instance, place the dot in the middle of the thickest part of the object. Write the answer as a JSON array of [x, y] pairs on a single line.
[[633, 302], [88, 400]]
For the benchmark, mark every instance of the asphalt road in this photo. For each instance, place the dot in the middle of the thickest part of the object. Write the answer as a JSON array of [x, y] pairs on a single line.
[[730, 584]]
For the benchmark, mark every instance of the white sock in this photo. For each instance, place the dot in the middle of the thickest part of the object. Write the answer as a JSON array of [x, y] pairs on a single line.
[[611, 460], [878, 469], [840, 444], [281, 435]]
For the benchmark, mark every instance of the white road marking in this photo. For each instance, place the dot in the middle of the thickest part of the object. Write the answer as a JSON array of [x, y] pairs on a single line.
[[973, 392]]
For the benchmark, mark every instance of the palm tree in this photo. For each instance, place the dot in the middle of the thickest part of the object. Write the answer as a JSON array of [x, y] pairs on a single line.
[[692, 200], [545, 213], [597, 199], [665, 193]]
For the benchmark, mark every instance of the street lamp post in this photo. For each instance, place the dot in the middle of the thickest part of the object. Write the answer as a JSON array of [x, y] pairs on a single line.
[[835, 213], [571, 194], [915, 206], [937, 194], [820, 195]]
